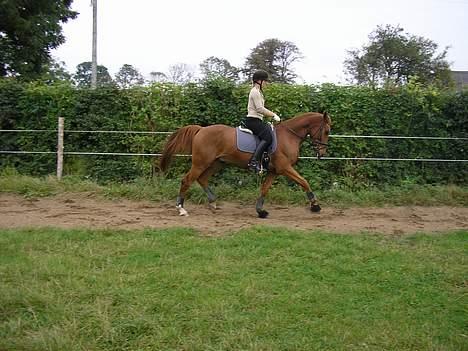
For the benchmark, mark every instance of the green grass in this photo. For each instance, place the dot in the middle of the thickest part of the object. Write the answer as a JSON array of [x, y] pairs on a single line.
[[163, 189], [261, 289]]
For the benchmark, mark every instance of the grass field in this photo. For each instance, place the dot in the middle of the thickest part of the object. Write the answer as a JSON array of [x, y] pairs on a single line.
[[261, 289]]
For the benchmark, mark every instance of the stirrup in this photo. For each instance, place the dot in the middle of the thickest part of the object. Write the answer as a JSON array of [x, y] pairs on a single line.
[[254, 166]]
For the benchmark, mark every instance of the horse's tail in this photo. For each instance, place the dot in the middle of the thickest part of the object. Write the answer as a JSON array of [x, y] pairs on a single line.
[[179, 141]]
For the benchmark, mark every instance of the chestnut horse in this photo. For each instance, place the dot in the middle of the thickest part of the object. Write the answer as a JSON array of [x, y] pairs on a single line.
[[215, 145]]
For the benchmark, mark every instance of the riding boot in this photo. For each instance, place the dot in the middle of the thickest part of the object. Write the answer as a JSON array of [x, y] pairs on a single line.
[[255, 161]]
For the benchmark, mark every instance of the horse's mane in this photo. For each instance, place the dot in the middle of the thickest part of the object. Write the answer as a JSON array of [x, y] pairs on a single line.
[[298, 119]]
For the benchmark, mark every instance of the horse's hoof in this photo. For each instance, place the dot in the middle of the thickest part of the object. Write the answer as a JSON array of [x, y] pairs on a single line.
[[262, 214], [182, 211], [315, 208], [212, 206]]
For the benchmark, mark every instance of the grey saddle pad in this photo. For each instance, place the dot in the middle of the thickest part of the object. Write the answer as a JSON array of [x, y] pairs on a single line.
[[247, 142]]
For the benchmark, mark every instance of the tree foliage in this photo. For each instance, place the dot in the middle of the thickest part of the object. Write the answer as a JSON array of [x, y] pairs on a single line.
[[82, 77], [128, 76], [55, 72], [158, 77], [180, 73], [28, 31], [276, 57], [393, 57], [214, 67]]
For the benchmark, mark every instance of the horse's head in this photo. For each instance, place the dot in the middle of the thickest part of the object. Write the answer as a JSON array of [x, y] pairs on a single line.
[[319, 133]]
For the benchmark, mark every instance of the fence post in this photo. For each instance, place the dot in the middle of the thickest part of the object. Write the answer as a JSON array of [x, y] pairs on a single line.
[[60, 149]]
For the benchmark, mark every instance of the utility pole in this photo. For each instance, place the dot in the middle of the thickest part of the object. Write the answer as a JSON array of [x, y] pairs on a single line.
[[94, 59]]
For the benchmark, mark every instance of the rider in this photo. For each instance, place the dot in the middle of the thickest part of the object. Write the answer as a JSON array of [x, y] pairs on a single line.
[[254, 120]]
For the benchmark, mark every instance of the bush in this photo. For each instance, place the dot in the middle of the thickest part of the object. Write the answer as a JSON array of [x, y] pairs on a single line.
[[409, 111]]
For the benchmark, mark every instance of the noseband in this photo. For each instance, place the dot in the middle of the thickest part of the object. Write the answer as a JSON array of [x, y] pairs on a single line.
[[318, 144]]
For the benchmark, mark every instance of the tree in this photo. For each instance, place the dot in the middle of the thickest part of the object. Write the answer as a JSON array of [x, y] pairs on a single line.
[[158, 77], [82, 77], [213, 67], [28, 31], [276, 57], [128, 76], [55, 71], [393, 57], [180, 73]]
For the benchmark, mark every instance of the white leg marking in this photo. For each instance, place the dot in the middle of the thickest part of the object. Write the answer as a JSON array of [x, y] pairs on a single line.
[[182, 211]]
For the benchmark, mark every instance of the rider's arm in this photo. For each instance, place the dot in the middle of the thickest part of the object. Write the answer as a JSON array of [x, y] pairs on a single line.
[[258, 104]]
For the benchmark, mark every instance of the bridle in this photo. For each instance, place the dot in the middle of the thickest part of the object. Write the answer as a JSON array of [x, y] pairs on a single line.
[[317, 144]]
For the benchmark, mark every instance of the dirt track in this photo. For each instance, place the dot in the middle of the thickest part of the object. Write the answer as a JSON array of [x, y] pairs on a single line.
[[82, 210]]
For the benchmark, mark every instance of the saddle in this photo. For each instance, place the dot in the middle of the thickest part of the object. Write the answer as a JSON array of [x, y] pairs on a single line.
[[247, 142]]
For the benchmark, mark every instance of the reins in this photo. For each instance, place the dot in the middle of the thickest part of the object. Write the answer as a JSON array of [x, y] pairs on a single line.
[[316, 144], [295, 133]]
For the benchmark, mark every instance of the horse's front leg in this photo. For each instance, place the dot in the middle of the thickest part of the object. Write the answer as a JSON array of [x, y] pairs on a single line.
[[291, 173], [264, 191]]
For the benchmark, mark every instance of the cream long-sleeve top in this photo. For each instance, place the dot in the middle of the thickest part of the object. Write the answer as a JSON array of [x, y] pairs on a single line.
[[256, 106]]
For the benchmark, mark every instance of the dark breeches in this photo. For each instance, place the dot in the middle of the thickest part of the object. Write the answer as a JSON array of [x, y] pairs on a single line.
[[262, 130]]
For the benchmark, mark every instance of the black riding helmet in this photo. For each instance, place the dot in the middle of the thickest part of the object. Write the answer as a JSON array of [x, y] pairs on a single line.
[[260, 75]]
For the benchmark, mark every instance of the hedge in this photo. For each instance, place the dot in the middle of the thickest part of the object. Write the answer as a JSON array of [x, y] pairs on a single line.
[[409, 111]]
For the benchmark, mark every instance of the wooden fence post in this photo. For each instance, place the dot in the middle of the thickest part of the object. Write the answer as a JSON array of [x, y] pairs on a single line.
[[60, 149]]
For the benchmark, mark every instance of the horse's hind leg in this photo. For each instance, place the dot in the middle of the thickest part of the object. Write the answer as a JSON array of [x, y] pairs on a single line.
[[187, 181], [203, 181], [264, 191]]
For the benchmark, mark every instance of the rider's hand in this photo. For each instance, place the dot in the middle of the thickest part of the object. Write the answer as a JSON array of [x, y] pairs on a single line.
[[276, 118]]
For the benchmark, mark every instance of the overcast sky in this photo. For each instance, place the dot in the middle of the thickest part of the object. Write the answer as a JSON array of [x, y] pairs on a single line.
[[152, 35]]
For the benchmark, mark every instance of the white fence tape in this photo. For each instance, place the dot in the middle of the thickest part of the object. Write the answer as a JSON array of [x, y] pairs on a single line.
[[20, 152]]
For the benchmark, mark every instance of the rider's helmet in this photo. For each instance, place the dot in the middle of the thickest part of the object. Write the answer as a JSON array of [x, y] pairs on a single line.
[[260, 75]]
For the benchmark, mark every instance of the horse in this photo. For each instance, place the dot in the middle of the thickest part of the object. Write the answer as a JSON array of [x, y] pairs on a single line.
[[214, 146]]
